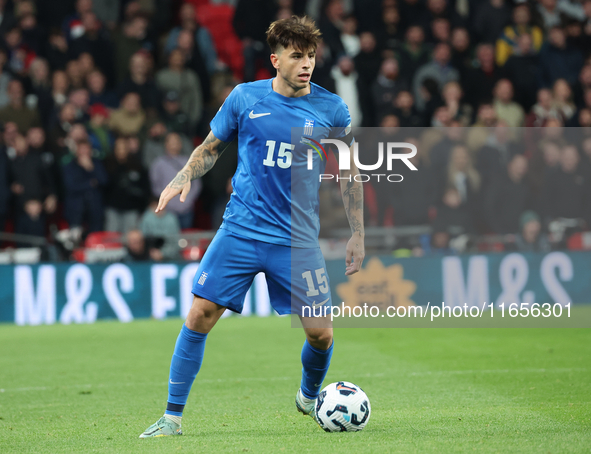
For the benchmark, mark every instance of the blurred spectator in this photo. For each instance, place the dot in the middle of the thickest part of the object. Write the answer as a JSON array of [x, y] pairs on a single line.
[[404, 109], [57, 135], [40, 88], [586, 159], [490, 19], [349, 38], [136, 247], [99, 134], [544, 109], [59, 89], [430, 98], [563, 100], [19, 54], [184, 81], [414, 53], [346, 84], [496, 153], [4, 79], [75, 74], [453, 218], [154, 145], [442, 147], [95, 42], [162, 172], [458, 111], [508, 197], [462, 176], [507, 44], [128, 191], [16, 110], [84, 179], [582, 85], [566, 193], [586, 31], [107, 11], [129, 119], [194, 61], [99, 94], [389, 32], [162, 226], [79, 99], [367, 63], [559, 60], [554, 12], [202, 37], [386, 87], [530, 238], [506, 109], [331, 24], [481, 80], [56, 50], [439, 70], [441, 30], [322, 70], [138, 81], [10, 134], [522, 69], [4, 187], [36, 141], [173, 119], [461, 51], [127, 42], [33, 187], [72, 26], [414, 200]]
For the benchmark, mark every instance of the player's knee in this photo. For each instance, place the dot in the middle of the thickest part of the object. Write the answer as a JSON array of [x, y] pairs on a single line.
[[202, 316], [321, 339]]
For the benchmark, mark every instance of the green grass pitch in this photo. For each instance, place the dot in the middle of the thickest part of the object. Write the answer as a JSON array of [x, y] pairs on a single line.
[[95, 388]]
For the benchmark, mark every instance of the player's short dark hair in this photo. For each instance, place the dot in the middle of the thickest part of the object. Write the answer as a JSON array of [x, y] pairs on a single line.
[[299, 32]]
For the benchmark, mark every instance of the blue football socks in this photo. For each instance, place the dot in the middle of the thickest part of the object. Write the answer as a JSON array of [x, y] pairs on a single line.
[[185, 364], [316, 363]]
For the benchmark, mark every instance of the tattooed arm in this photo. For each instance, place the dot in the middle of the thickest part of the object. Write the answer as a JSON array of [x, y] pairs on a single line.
[[352, 192], [200, 162]]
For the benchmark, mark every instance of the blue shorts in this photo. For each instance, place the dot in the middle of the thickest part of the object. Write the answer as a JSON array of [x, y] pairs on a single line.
[[296, 277]]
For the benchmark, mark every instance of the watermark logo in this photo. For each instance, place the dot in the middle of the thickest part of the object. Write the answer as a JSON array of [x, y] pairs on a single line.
[[344, 158]]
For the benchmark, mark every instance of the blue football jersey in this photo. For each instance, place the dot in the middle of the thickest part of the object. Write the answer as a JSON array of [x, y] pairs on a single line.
[[275, 197]]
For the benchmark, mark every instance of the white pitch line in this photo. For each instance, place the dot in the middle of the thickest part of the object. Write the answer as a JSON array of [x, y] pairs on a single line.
[[257, 379]]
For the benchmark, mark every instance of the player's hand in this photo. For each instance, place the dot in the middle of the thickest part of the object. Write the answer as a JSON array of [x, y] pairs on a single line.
[[170, 193], [355, 254]]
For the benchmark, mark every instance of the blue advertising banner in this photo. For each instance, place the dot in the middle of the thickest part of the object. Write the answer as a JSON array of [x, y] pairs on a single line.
[[80, 293]]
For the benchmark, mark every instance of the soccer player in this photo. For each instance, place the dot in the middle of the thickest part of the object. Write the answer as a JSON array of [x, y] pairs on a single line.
[[266, 227]]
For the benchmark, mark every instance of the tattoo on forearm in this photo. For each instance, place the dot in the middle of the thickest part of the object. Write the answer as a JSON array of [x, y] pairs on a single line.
[[201, 161], [353, 201]]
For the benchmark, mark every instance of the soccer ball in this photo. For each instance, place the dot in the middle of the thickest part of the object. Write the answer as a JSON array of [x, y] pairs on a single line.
[[342, 407]]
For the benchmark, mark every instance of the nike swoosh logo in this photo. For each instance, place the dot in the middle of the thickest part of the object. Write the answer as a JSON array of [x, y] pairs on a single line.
[[176, 382], [321, 303], [252, 115], [317, 385]]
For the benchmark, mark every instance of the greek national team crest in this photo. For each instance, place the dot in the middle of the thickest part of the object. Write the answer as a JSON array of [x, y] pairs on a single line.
[[309, 127]]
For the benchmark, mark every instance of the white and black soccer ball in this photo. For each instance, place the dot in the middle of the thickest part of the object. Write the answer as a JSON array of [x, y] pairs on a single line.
[[342, 407]]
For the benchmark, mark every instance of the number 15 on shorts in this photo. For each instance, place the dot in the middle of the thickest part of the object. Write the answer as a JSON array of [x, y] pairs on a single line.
[[320, 284]]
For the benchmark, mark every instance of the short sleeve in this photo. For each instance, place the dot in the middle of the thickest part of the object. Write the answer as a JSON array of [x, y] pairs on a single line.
[[224, 125], [342, 124]]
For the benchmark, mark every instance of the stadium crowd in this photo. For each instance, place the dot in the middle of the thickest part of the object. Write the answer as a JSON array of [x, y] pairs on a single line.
[[102, 102]]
